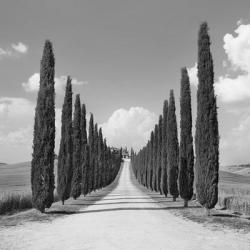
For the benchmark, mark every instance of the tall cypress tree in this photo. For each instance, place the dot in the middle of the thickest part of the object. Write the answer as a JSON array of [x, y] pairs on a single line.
[[91, 153], [64, 168], [207, 135], [42, 165], [105, 166], [77, 154], [84, 141], [86, 171], [151, 160], [155, 150], [164, 176], [96, 158], [186, 171], [159, 155], [173, 148], [100, 158]]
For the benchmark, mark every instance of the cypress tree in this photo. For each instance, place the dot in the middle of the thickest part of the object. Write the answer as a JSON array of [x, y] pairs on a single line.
[[96, 164], [100, 158], [105, 171], [64, 168], [159, 155], [84, 141], [151, 160], [42, 165], [77, 154], [173, 148], [207, 135], [164, 176], [186, 172], [155, 150], [91, 153], [86, 171], [148, 164]]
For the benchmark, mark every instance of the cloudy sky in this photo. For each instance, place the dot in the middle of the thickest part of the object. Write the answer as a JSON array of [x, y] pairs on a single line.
[[124, 56]]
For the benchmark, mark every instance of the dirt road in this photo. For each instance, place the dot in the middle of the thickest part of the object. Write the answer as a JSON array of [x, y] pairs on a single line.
[[122, 216]]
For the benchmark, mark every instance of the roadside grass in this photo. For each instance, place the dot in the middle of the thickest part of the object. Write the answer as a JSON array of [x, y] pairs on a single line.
[[235, 198], [10, 202], [14, 202]]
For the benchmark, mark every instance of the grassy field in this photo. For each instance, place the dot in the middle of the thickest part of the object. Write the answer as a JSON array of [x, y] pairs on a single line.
[[15, 187], [16, 177], [234, 192]]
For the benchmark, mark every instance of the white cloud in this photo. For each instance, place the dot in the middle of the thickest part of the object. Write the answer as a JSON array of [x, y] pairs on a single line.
[[4, 53], [237, 48], [17, 117], [192, 73], [233, 89], [16, 129], [236, 143], [60, 82], [20, 48], [33, 83], [18, 137], [14, 50], [15, 108], [129, 128]]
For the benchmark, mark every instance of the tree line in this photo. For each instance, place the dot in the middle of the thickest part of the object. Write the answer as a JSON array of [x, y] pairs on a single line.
[[167, 166], [85, 162]]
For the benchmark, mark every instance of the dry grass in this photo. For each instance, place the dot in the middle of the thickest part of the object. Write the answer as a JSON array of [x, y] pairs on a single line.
[[11, 202], [234, 192], [14, 202], [235, 198]]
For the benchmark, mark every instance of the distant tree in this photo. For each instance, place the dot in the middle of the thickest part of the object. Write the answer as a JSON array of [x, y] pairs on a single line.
[[151, 160], [172, 148], [91, 153], [96, 163], [105, 164], [84, 141], [100, 158], [186, 171], [155, 150], [86, 171], [164, 176], [64, 167], [159, 155], [77, 154], [42, 165], [207, 135]]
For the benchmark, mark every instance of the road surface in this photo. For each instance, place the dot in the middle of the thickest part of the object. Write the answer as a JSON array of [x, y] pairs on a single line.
[[122, 216]]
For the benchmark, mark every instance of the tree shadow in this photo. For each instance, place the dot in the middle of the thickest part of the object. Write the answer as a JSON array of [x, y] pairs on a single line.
[[224, 215], [116, 203], [119, 209], [67, 208]]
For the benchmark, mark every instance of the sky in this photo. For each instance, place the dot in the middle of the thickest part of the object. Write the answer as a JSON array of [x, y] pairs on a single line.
[[124, 57]]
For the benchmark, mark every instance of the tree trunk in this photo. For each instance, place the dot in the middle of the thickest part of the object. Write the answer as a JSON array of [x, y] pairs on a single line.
[[207, 211], [185, 203], [174, 198], [63, 202]]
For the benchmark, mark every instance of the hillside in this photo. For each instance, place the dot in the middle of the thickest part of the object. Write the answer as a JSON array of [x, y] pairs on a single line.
[[243, 169], [233, 178], [16, 177]]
